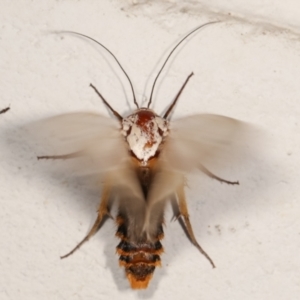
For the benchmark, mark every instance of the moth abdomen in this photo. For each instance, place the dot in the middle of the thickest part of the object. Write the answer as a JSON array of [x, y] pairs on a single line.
[[139, 258]]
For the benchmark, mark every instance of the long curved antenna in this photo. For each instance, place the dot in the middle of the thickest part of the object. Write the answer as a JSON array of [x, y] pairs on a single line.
[[86, 36], [154, 83]]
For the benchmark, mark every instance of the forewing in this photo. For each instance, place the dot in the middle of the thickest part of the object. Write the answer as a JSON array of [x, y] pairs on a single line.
[[197, 140], [96, 138], [102, 152], [192, 143]]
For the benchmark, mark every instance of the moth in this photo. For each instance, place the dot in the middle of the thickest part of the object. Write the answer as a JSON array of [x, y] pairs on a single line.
[[142, 160], [4, 110]]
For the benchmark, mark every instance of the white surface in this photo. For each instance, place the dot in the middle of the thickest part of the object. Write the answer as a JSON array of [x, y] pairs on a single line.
[[246, 67]]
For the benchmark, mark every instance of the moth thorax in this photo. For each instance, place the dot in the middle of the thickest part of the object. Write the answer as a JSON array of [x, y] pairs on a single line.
[[144, 132]]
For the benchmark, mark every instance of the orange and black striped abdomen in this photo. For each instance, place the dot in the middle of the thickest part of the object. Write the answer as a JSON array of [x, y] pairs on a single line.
[[139, 258]]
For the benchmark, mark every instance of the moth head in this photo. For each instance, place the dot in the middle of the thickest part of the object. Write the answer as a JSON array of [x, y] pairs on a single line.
[[144, 131]]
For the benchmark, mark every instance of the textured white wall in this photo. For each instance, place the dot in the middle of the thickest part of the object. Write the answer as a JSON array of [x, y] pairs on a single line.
[[246, 67]]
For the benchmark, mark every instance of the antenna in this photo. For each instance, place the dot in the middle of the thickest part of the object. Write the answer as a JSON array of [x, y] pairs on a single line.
[[153, 86], [86, 36]]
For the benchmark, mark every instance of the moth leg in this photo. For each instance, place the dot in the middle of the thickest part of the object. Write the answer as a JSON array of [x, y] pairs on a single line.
[[4, 110], [183, 212], [177, 96], [117, 115], [103, 212], [64, 156], [213, 176]]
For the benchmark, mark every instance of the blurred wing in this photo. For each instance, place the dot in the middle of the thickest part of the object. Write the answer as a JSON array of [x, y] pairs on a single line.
[[100, 146], [164, 185], [192, 142], [196, 140], [96, 138]]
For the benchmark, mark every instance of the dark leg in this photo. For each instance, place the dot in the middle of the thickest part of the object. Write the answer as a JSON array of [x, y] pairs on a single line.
[[65, 156], [102, 213], [118, 116], [177, 96], [4, 110], [183, 212], [211, 175]]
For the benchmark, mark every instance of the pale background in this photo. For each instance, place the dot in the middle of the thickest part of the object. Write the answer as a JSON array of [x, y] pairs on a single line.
[[247, 67]]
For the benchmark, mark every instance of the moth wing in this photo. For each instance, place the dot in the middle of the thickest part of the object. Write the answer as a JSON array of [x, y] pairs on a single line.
[[101, 148], [163, 186], [102, 151], [94, 137], [192, 142], [197, 140]]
